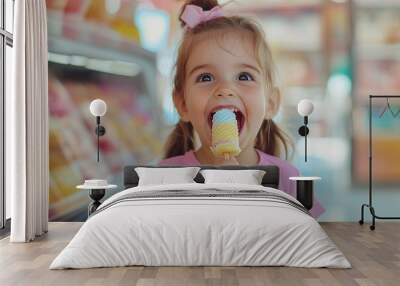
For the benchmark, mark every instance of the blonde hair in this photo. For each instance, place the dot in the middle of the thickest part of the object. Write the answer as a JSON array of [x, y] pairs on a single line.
[[270, 138]]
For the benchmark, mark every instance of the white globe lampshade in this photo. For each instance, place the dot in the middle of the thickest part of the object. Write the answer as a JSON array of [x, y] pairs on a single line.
[[98, 107], [305, 107]]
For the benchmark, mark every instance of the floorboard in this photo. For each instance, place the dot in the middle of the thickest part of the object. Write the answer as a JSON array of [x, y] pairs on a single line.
[[374, 255]]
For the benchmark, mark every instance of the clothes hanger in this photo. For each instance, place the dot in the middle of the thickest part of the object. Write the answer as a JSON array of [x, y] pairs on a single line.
[[387, 106]]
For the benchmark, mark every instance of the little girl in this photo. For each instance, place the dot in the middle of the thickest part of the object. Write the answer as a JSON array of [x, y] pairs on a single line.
[[225, 62]]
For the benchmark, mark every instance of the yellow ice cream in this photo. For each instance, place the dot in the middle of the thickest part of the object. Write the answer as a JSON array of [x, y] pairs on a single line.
[[225, 134]]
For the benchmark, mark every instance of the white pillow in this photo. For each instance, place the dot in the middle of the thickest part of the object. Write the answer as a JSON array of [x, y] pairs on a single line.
[[248, 177], [163, 176]]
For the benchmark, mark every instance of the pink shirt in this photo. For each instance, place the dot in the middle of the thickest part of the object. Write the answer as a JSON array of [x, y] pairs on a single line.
[[286, 170]]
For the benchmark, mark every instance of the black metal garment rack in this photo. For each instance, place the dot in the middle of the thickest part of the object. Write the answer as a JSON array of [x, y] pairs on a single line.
[[369, 205]]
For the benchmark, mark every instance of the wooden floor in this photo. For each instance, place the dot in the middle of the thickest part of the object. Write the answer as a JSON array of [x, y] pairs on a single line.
[[374, 255]]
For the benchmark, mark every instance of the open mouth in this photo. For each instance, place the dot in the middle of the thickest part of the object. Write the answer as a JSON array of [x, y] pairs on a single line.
[[240, 119]]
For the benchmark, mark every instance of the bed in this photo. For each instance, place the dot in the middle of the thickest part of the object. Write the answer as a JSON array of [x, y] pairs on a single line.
[[201, 224]]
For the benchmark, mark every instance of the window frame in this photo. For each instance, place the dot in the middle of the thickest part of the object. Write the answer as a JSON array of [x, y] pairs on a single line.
[[6, 39]]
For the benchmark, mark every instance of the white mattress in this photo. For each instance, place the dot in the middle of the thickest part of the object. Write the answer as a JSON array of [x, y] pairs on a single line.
[[200, 231]]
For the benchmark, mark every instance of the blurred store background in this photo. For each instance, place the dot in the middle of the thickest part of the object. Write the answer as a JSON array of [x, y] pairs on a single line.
[[334, 52]]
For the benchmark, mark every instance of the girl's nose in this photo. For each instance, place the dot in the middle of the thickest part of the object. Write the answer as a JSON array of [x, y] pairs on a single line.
[[225, 92]]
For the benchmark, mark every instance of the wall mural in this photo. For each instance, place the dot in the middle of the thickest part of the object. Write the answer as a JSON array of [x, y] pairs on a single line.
[[124, 52]]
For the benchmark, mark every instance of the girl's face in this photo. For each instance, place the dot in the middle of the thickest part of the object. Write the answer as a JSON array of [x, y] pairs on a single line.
[[222, 72]]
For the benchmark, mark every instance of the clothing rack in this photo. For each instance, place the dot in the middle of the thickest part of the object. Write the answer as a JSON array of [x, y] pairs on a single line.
[[369, 205]]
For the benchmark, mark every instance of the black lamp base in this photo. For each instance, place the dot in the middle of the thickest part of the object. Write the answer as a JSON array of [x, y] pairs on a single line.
[[305, 193], [96, 195], [303, 131], [100, 130]]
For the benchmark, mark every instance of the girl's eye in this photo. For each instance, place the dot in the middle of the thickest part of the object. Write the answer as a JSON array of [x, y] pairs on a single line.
[[245, 76], [204, 77]]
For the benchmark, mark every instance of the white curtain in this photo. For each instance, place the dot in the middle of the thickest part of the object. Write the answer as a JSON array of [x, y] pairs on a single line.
[[27, 147]]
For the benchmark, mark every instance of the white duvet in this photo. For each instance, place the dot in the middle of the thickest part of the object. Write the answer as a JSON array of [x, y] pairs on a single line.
[[200, 231]]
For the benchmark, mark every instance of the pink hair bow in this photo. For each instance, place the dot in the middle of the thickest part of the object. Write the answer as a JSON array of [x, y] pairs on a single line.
[[194, 15]]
